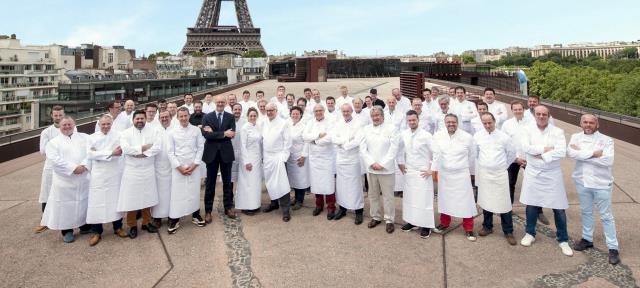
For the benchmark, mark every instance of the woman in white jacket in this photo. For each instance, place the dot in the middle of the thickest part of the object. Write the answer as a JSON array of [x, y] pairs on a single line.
[[297, 166], [248, 193]]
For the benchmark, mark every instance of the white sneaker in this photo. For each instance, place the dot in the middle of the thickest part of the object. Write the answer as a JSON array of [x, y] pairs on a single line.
[[566, 250], [527, 240]]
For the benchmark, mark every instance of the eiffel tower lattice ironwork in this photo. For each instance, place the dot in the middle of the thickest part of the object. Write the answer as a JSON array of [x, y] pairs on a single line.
[[211, 39]]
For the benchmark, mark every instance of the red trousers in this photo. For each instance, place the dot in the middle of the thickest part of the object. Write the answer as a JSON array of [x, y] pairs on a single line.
[[467, 223], [331, 201]]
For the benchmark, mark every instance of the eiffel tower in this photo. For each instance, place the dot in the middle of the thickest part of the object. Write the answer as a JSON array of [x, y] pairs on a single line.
[[211, 39]]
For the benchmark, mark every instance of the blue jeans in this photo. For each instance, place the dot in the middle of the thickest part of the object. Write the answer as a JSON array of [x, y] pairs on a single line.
[[601, 198], [505, 218], [559, 216]]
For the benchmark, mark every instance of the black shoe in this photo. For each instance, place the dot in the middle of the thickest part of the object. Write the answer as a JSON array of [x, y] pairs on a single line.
[[407, 227], [150, 228], [582, 245], [341, 213], [173, 226], [198, 221], [296, 206], [425, 233], [358, 219], [331, 215], [317, 211], [614, 258], [440, 229], [248, 212], [270, 208], [133, 232], [286, 218]]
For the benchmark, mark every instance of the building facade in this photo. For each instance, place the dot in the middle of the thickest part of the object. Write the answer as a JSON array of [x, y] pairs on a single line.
[[604, 50]]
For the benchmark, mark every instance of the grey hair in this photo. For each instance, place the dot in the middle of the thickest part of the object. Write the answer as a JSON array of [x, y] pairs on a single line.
[[105, 117], [443, 99], [183, 109], [377, 108]]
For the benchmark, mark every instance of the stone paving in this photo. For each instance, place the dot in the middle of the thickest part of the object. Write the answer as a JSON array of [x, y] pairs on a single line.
[[263, 251]]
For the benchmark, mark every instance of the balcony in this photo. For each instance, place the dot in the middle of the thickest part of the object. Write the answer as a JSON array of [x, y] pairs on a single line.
[[27, 85], [9, 113]]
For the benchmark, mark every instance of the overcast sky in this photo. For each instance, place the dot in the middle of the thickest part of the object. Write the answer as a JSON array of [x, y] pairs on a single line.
[[357, 27]]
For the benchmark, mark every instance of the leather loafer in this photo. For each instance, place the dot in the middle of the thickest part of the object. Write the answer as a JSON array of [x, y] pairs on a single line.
[[373, 223], [133, 232], [95, 239], [341, 213], [150, 228], [331, 215], [121, 233], [207, 218], [286, 218], [390, 228], [358, 220], [317, 211], [231, 213]]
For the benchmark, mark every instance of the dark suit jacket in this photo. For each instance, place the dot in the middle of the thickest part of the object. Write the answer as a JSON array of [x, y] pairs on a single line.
[[216, 141]]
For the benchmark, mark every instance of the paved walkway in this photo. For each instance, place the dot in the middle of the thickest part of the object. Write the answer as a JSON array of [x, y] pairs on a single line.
[[263, 251]]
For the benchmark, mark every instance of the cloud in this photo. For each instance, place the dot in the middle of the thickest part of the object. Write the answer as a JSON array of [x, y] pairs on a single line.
[[117, 32]]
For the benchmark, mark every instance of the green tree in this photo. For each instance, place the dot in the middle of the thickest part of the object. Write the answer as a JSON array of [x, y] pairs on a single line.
[[626, 53], [468, 59], [254, 54], [158, 54]]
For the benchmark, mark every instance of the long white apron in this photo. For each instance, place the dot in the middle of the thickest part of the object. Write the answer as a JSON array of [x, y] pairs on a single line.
[[104, 189], [493, 190], [45, 182], [138, 188], [544, 188], [349, 186], [275, 175], [249, 188], [455, 194], [67, 203], [164, 174], [321, 173], [298, 176], [399, 185], [417, 200], [185, 193]]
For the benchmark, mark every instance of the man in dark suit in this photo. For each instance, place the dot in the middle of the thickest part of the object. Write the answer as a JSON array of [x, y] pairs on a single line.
[[218, 128]]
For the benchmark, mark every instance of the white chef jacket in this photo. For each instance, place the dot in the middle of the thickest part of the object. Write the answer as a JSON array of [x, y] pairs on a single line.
[[592, 172]]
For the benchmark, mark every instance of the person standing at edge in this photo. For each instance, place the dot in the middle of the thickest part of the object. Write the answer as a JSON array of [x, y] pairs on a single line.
[[593, 152], [57, 113], [68, 198], [218, 129]]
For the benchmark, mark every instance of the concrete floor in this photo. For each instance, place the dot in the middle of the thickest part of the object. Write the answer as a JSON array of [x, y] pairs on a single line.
[[310, 251]]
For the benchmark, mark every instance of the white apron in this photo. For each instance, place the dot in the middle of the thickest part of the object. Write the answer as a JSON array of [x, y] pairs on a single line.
[[417, 200], [455, 194], [540, 188], [275, 176], [185, 193], [249, 188], [399, 186], [104, 189], [349, 186], [45, 182], [298, 176], [163, 179], [138, 190], [493, 190]]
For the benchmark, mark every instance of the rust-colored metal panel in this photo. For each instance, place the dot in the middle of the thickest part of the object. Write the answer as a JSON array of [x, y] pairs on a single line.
[[411, 84]]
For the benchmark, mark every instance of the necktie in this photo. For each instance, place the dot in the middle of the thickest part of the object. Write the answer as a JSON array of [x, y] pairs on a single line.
[[219, 120]]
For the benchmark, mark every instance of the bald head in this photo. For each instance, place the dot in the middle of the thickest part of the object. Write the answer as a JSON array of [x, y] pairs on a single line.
[[129, 105], [541, 113]]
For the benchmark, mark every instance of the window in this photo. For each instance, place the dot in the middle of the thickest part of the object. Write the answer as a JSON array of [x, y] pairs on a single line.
[[110, 58], [11, 121], [65, 61], [46, 55], [40, 79], [4, 80], [27, 67]]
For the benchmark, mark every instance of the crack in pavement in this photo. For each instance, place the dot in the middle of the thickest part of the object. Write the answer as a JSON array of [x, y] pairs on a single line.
[[597, 266], [166, 253], [238, 252]]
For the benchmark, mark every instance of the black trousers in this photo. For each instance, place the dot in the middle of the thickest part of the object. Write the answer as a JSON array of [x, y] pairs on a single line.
[[83, 228], [284, 203], [513, 171], [210, 190], [97, 228]]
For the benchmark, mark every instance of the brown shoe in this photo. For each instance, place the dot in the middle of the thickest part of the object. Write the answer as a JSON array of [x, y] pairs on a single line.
[[484, 232], [121, 233], [390, 228], [510, 239], [40, 229], [231, 213], [373, 223], [207, 218], [94, 240]]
